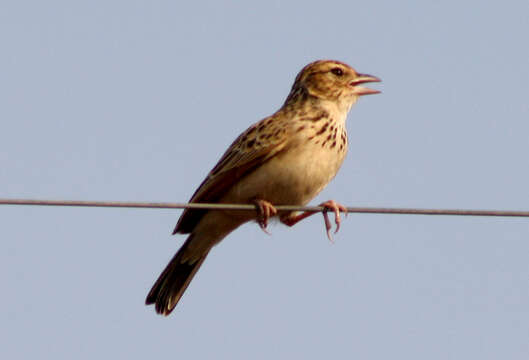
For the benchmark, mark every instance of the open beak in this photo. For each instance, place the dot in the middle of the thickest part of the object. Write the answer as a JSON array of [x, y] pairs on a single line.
[[361, 79]]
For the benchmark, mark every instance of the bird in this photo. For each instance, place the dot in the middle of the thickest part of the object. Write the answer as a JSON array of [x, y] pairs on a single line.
[[284, 159]]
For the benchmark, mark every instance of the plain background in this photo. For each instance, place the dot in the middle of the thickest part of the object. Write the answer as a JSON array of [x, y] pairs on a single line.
[[136, 101]]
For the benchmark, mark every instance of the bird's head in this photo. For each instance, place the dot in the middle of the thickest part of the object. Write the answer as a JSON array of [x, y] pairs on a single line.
[[334, 81]]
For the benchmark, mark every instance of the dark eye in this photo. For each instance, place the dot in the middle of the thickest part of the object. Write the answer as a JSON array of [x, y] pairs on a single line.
[[337, 71]]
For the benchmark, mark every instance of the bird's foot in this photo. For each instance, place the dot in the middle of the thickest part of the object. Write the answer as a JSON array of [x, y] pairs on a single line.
[[336, 208], [330, 205], [265, 210]]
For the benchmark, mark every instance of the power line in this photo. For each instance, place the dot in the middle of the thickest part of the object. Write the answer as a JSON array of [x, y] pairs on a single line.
[[166, 205]]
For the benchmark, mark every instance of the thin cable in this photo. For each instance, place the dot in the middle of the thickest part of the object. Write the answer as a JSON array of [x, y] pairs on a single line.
[[164, 205]]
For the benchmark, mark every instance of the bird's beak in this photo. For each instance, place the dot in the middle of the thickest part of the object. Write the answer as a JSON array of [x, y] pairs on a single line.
[[361, 79]]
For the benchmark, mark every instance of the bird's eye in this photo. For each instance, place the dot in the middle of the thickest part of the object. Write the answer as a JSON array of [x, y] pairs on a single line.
[[337, 71]]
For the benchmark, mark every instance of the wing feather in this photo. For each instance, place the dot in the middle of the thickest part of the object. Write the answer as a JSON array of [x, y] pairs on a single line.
[[250, 150]]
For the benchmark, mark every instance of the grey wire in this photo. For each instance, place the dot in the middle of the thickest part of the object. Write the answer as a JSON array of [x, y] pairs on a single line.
[[166, 205]]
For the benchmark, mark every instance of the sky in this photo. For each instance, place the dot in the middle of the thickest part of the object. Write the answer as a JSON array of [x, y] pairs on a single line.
[[137, 100]]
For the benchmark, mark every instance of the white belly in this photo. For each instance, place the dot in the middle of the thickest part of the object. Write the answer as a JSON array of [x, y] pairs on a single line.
[[291, 178]]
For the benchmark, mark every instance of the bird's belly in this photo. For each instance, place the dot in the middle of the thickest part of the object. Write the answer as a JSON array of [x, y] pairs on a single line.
[[290, 178]]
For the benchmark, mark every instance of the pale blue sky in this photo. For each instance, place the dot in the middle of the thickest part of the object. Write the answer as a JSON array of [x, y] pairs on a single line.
[[136, 101]]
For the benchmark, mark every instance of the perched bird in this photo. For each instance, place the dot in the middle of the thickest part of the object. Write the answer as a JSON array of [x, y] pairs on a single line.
[[284, 159]]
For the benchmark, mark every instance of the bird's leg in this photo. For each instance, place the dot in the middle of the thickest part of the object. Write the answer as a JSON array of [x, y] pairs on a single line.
[[330, 205], [265, 210]]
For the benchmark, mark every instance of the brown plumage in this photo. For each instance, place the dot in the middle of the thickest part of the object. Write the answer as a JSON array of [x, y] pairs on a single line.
[[284, 159]]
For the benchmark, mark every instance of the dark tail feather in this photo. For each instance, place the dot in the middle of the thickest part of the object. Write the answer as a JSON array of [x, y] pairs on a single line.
[[170, 286]]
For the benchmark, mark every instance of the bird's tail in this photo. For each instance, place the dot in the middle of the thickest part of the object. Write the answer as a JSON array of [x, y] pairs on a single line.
[[173, 281]]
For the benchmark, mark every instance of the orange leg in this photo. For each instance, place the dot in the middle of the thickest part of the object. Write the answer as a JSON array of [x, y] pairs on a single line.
[[330, 205], [265, 211]]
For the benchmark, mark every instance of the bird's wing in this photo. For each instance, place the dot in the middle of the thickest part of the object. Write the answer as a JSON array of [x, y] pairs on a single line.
[[255, 146]]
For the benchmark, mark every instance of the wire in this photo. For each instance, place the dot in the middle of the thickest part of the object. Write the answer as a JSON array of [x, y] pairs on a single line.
[[164, 205]]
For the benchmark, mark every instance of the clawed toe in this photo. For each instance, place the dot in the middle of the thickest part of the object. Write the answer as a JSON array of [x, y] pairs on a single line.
[[333, 206], [293, 219], [265, 211]]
